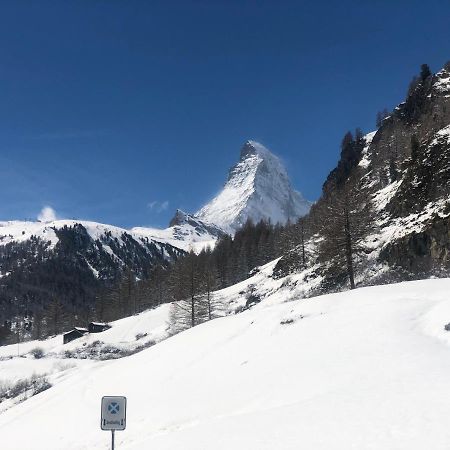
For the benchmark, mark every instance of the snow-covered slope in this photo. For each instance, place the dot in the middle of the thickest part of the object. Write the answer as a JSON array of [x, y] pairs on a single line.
[[258, 188], [151, 323], [365, 369], [108, 239], [21, 231], [185, 232], [126, 336]]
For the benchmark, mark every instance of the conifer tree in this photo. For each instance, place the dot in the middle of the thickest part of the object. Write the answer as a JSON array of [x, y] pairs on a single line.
[[393, 173], [55, 317], [425, 72], [186, 290], [302, 227], [209, 283], [345, 222], [415, 147]]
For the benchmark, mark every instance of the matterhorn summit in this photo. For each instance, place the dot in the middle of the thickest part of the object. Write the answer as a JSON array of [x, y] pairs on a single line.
[[257, 188]]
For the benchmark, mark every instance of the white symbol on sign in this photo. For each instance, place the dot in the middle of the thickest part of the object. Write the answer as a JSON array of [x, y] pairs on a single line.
[[113, 408]]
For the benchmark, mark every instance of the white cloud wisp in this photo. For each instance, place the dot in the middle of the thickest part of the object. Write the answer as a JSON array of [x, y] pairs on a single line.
[[47, 214]]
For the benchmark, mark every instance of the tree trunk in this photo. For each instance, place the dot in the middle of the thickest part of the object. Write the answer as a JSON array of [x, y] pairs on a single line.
[[209, 304], [349, 250], [302, 230], [192, 297]]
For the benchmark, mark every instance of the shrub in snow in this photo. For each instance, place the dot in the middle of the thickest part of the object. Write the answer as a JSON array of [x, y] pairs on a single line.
[[100, 351], [37, 352], [289, 283], [41, 384], [26, 388], [140, 336], [252, 297], [252, 300], [68, 354], [286, 321], [289, 320], [447, 327]]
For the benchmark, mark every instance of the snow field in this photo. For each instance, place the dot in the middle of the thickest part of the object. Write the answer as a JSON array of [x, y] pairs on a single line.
[[366, 369]]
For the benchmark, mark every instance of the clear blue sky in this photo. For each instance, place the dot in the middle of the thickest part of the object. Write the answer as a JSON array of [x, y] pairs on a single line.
[[122, 111]]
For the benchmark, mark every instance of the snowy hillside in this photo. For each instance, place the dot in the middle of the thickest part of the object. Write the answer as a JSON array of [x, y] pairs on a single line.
[[123, 332], [185, 232], [365, 369], [126, 336], [258, 188], [21, 231]]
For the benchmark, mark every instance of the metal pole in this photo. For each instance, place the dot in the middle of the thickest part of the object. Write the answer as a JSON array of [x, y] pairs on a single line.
[[112, 439], [18, 340]]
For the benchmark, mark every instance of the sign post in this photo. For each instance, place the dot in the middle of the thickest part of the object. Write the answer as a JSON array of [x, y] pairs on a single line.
[[114, 415]]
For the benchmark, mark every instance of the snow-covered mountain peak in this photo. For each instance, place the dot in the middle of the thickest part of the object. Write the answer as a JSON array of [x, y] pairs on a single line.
[[255, 148], [257, 188], [180, 218], [185, 232]]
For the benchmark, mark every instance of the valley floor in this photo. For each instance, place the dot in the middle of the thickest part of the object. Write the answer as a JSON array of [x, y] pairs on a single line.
[[366, 369]]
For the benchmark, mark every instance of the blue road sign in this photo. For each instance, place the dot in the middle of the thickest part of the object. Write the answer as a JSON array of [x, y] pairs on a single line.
[[113, 413]]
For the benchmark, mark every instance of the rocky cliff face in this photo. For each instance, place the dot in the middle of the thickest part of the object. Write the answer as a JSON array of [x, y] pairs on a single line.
[[185, 232], [403, 172], [257, 188], [182, 219], [413, 146]]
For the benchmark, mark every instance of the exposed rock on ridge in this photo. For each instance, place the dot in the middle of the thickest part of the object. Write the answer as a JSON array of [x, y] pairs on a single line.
[[257, 188]]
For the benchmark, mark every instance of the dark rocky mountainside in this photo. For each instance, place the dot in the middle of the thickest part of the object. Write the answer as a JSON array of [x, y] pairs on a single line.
[[397, 181], [181, 218], [67, 263]]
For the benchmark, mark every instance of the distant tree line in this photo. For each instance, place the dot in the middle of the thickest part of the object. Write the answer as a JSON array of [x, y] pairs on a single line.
[[47, 289], [191, 280]]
